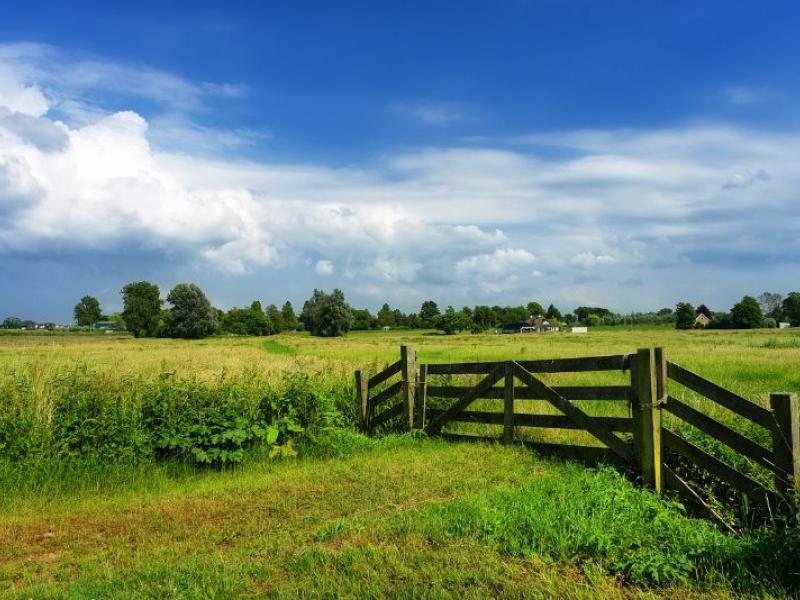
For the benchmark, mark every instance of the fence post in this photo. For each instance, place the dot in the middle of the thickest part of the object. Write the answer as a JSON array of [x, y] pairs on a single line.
[[647, 375], [786, 443], [508, 404], [408, 358], [420, 399], [362, 393]]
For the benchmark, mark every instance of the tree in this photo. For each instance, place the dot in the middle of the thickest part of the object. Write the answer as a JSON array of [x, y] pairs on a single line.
[[484, 317], [87, 312], [275, 319], [386, 316], [141, 308], [684, 315], [582, 312], [746, 314], [247, 321], [288, 318], [191, 315], [513, 314], [13, 323], [452, 321], [363, 320], [327, 315], [665, 312], [535, 309], [553, 313], [791, 308], [429, 313], [771, 304]]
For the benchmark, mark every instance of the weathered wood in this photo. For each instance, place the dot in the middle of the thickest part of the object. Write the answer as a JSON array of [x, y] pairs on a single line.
[[362, 394], [572, 392], [723, 433], [408, 358], [392, 369], [713, 465], [616, 362], [390, 392], [646, 418], [435, 425], [742, 406], [421, 398], [586, 422], [786, 443], [389, 413], [508, 404], [623, 424], [480, 368]]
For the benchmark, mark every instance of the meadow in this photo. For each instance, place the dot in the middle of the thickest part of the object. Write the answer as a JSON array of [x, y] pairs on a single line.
[[232, 467]]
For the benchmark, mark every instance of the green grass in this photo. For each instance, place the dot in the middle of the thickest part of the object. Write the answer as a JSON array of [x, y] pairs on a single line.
[[400, 517], [100, 496], [274, 347]]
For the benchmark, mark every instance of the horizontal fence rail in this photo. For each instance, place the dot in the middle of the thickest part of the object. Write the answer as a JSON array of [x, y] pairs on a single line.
[[616, 362], [573, 392], [712, 391], [635, 441]]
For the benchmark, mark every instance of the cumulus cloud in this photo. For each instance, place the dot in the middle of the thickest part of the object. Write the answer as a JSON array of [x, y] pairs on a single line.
[[76, 175], [587, 260], [324, 267]]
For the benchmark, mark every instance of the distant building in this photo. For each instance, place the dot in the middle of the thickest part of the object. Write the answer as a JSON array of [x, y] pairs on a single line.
[[703, 316], [580, 330], [515, 327], [538, 324], [105, 326], [541, 323], [701, 320], [783, 325]]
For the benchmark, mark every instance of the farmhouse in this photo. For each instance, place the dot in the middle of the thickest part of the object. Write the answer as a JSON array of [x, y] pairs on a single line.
[[703, 316], [532, 325]]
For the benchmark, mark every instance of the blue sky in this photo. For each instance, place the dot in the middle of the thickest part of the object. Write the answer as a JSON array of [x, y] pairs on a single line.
[[628, 154]]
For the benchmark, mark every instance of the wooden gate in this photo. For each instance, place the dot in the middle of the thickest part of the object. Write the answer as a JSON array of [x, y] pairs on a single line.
[[532, 387], [639, 441]]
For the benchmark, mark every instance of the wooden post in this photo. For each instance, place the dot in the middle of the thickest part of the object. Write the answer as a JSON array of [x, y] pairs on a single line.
[[647, 413], [508, 404], [421, 398], [408, 358], [786, 443], [362, 393]]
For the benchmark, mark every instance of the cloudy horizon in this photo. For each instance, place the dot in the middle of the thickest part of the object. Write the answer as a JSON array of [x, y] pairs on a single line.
[[116, 167]]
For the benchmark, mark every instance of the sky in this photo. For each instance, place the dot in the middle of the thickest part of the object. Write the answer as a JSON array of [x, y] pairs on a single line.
[[620, 154]]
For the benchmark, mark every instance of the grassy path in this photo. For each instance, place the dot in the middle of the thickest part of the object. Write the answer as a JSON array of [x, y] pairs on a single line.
[[355, 526]]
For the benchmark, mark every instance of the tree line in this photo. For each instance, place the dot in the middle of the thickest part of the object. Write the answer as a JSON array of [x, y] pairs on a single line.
[[187, 313], [769, 309]]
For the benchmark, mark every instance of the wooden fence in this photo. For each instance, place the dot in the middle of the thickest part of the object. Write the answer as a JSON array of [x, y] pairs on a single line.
[[648, 447]]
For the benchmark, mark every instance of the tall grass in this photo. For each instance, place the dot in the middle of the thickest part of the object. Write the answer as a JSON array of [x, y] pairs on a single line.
[[91, 423]]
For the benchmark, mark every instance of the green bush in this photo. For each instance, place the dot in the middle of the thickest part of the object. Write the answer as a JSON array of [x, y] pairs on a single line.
[[95, 419]]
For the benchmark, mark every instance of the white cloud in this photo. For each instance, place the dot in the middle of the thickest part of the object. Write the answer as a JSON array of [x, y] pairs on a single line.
[[743, 95], [498, 263], [746, 179], [586, 260], [20, 98], [434, 220], [324, 267]]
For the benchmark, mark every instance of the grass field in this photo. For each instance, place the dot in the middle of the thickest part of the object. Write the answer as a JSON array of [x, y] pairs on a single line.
[[347, 516]]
